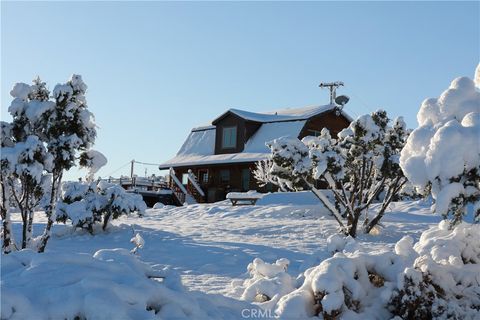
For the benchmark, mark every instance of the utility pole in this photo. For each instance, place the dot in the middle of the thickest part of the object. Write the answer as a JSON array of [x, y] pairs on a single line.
[[333, 89], [131, 168]]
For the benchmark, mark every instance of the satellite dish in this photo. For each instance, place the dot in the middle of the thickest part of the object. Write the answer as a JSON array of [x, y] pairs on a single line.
[[342, 100]]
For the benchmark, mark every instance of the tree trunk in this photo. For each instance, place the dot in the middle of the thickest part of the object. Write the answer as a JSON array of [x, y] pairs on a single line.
[[106, 219], [353, 227], [56, 180], [24, 230], [8, 242], [7, 232], [30, 226], [391, 192]]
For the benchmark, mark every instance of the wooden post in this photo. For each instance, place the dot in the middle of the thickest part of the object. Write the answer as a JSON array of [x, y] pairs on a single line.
[[131, 169]]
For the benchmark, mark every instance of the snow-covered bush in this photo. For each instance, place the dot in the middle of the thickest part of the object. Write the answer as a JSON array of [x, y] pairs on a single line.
[[437, 277], [87, 203], [44, 138], [444, 281], [345, 286], [443, 154], [360, 166], [138, 241], [289, 164], [111, 284], [267, 283]]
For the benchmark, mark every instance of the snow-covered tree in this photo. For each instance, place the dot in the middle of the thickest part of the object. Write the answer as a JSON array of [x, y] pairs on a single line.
[[88, 203], [361, 166], [443, 154], [93, 160], [289, 164], [69, 128], [261, 173], [23, 166], [24, 158], [6, 194], [44, 139]]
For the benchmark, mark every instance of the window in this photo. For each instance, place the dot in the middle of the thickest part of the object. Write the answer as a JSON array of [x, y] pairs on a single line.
[[203, 175], [229, 137], [314, 133], [185, 178], [224, 175]]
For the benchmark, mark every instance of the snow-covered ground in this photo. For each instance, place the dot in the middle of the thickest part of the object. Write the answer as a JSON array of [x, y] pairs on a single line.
[[218, 261], [210, 245]]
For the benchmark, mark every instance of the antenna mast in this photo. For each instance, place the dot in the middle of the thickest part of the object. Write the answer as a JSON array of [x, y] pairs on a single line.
[[333, 89]]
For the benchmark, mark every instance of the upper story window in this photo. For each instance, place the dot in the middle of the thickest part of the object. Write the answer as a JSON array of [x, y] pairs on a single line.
[[314, 133], [229, 137]]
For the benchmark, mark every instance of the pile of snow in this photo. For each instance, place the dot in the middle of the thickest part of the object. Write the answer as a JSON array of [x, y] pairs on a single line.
[[111, 284], [439, 276], [252, 194], [338, 243], [353, 285], [267, 283], [158, 205], [93, 160], [447, 267], [444, 151], [301, 198]]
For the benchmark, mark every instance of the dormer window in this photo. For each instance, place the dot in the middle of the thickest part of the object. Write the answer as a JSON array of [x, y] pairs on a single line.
[[229, 137]]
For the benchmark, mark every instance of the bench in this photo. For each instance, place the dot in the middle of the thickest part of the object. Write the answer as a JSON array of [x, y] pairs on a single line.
[[243, 198], [244, 201]]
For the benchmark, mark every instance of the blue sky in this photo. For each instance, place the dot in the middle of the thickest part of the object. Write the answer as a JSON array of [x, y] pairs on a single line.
[[157, 69]]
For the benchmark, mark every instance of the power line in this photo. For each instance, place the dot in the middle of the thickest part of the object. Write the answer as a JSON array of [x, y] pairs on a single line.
[[123, 166], [146, 163], [362, 103]]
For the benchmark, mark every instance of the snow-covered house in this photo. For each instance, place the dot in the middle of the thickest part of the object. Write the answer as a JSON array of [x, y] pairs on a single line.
[[222, 155]]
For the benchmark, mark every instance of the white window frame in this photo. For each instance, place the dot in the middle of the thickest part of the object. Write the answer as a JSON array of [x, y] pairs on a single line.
[[185, 178], [202, 173], [315, 133]]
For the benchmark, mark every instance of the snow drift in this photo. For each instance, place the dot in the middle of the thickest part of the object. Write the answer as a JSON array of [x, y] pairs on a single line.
[[437, 277], [111, 284]]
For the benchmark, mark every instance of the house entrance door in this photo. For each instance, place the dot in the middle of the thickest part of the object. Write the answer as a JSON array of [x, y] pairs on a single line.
[[245, 179]]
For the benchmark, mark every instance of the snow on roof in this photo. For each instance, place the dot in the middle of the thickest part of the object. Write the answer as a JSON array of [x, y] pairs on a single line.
[[288, 114], [201, 142], [269, 131], [196, 159], [258, 117], [199, 148]]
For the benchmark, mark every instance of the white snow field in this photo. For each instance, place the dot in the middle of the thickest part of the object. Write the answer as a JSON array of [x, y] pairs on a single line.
[[194, 260]]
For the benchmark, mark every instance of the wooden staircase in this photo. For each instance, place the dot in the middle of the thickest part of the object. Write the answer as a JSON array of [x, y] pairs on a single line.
[[190, 194]]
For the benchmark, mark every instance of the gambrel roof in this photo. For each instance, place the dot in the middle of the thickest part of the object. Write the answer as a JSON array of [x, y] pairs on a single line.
[[289, 114], [199, 147]]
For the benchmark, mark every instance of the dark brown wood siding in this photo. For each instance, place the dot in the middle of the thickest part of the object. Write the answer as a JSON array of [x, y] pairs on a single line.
[[250, 128], [216, 189], [328, 120]]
